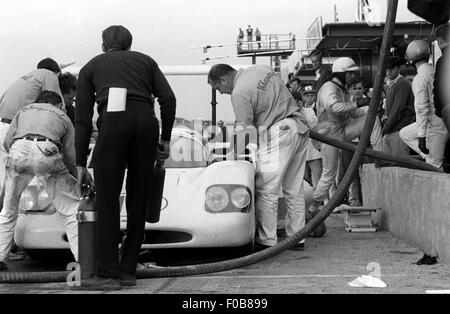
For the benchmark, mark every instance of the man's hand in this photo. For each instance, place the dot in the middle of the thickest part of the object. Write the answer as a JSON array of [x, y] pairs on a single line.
[[84, 177], [163, 150], [361, 102], [423, 145]]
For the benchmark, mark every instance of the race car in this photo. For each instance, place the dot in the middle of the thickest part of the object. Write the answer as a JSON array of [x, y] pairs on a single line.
[[208, 201]]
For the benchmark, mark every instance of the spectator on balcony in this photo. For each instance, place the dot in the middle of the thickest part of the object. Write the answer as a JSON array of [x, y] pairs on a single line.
[[240, 37], [249, 36], [258, 37]]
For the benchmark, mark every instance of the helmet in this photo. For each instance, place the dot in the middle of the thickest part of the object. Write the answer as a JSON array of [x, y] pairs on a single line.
[[417, 50], [344, 64]]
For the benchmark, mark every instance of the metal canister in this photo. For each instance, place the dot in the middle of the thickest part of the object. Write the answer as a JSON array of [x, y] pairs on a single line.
[[87, 220]]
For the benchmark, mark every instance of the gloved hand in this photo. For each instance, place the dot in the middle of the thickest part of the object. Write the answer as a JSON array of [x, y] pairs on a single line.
[[361, 102], [423, 145], [163, 150]]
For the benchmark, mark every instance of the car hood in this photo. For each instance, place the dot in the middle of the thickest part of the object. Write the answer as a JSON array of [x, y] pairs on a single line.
[[184, 189], [226, 172]]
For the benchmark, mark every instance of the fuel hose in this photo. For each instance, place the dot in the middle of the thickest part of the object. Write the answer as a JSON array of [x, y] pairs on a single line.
[[360, 150]]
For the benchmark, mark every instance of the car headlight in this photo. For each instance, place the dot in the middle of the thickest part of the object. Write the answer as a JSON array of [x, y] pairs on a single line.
[[27, 200], [217, 198], [43, 199], [240, 197]]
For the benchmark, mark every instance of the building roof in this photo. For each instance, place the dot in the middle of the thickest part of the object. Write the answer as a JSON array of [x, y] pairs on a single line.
[[340, 39]]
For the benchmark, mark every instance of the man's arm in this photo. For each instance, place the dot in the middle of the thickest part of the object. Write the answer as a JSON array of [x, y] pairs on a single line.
[[401, 95], [243, 111], [84, 110], [421, 105], [9, 138], [166, 100], [68, 144], [334, 103]]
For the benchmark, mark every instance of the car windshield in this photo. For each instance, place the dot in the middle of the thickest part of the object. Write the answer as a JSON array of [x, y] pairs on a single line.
[[186, 152]]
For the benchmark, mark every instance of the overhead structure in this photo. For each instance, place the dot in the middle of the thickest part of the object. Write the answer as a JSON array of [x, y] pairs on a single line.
[[275, 46], [362, 41]]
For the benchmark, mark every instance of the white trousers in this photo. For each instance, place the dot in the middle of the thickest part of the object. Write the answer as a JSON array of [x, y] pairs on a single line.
[[4, 127], [436, 139], [25, 161], [280, 166], [330, 154]]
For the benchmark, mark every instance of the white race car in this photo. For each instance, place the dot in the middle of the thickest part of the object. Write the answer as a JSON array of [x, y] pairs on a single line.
[[208, 202]]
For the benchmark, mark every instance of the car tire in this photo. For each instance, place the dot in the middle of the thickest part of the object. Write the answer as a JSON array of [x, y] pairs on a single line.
[[244, 250], [50, 255]]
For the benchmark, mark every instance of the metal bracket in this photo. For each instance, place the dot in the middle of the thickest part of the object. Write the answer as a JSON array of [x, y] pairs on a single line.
[[360, 219]]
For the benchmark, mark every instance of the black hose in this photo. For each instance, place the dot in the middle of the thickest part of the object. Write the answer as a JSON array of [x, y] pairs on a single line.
[[289, 242], [398, 160], [33, 277]]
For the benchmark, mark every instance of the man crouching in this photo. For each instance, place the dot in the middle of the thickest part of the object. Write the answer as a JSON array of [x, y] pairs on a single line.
[[40, 142]]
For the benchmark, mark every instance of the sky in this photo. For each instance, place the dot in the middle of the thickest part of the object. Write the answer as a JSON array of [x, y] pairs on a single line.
[[70, 30]]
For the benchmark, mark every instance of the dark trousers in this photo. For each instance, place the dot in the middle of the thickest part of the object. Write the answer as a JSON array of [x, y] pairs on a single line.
[[126, 140]]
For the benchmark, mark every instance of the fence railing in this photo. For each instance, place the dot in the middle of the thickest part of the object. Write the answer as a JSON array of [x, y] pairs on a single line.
[[266, 42]]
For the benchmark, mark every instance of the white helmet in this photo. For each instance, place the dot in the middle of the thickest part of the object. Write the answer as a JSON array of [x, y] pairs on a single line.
[[344, 64], [417, 50]]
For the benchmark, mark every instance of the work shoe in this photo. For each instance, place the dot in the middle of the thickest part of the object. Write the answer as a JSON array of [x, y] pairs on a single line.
[[127, 279], [298, 247], [320, 230], [314, 207], [96, 283], [3, 266], [427, 260], [355, 204]]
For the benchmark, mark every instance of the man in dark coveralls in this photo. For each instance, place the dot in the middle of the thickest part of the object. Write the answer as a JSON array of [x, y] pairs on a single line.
[[128, 138]]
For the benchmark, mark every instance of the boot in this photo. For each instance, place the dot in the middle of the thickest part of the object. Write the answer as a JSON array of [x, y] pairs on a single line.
[[320, 230], [95, 283], [127, 279]]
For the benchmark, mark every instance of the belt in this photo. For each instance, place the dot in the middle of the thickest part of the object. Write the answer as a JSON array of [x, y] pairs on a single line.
[[38, 138], [5, 120]]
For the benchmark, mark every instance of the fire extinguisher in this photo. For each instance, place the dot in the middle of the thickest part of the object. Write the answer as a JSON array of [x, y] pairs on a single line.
[[87, 217], [156, 193]]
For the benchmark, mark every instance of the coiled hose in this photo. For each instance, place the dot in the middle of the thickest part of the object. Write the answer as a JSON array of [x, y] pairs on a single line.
[[42, 277]]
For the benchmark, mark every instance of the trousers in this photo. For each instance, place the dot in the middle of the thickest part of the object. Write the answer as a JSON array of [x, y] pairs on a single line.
[[127, 140], [280, 168], [436, 139], [392, 144], [4, 127], [24, 162], [330, 154]]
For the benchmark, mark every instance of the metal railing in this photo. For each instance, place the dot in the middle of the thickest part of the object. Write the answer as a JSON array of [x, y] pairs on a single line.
[[266, 42]]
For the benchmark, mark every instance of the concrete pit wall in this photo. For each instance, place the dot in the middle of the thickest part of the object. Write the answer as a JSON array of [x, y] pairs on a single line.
[[415, 206]]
